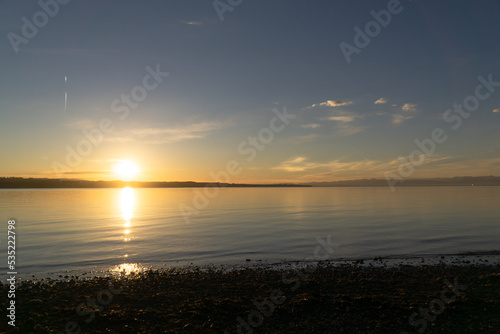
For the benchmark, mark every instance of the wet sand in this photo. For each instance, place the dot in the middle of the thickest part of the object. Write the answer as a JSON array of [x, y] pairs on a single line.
[[345, 298]]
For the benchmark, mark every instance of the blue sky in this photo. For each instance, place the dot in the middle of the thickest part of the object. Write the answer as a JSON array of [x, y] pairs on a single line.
[[226, 77]]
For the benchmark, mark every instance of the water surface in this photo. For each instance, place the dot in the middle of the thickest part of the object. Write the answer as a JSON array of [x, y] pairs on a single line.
[[83, 229]]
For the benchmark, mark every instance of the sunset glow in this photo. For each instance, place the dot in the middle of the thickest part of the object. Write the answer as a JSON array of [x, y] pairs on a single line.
[[184, 166], [126, 170], [363, 104]]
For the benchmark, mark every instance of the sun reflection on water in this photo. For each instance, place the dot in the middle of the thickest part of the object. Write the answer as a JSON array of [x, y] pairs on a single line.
[[127, 203]]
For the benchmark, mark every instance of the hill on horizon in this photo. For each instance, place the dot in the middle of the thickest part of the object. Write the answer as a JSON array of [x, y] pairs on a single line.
[[20, 182]]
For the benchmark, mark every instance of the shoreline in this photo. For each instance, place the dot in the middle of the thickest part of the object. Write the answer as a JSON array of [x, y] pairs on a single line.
[[348, 298], [91, 271], [47, 183]]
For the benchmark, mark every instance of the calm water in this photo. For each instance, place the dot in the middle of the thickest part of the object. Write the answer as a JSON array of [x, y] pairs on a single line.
[[83, 229]]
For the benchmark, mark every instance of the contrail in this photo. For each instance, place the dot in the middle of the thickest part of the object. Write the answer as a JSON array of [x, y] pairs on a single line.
[[65, 94]]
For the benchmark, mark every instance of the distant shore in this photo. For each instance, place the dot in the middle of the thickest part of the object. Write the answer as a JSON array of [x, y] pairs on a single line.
[[16, 182], [321, 299], [19, 182]]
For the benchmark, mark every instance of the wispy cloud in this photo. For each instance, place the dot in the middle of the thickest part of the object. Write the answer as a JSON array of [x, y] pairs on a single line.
[[348, 129], [339, 169], [496, 110], [193, 23], [170, 135], [311, 126], [345, 122], [301, 164], [88, 172], [198, 22], [382, 100], [342, 118], [398, 119], [469, 167], [298, 164], [432, 166]]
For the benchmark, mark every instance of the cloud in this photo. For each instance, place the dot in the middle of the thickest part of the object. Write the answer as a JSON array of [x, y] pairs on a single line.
[[298, 164], [346, 129], [432, 166], [382, 100], [346, 119], [345, 124], [496, 110], [347, 169], [464, 167], [331, 104], [301, 164], [89, 172], [311, 126], [194, 23], [170, 135], [409, 107], [198, 22], [406, 108], [398, 119], [342, 116]]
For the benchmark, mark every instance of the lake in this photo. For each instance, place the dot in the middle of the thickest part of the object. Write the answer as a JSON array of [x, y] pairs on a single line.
[[82, 230]]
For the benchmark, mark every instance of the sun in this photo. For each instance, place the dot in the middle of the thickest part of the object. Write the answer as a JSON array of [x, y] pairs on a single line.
[[125, 169]]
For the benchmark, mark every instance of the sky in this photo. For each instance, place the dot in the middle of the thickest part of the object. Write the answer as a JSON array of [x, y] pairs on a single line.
[[249, 91]]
